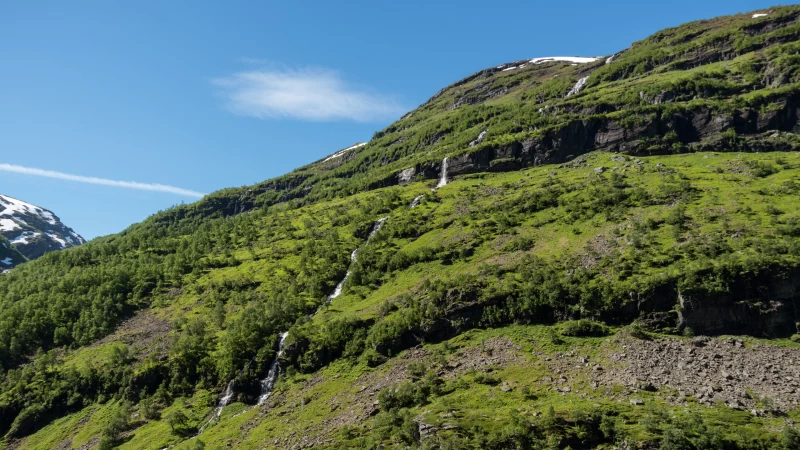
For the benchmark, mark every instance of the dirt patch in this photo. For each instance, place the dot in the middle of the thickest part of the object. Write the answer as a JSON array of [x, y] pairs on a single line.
[[144, 333]]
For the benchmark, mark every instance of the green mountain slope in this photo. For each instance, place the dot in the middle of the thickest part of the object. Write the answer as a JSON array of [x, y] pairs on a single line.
[[544, 297]]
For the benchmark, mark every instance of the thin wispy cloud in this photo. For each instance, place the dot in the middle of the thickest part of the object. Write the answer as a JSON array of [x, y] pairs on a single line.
[[306, 94], [102, 181]]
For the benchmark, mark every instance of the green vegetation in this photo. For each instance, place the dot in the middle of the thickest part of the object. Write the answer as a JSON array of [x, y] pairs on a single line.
[[128, 340]]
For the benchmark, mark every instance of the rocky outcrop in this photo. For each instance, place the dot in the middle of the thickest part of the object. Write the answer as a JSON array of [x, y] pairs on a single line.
[[691, 130], [741, 375]]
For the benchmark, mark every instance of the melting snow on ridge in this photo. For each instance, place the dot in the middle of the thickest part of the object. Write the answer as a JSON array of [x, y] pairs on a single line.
[[13, 205], [23, 238], [757, 15], [342, 152], [572, 59], [7, 261], [78, 238], [55, 237], [578, 86]]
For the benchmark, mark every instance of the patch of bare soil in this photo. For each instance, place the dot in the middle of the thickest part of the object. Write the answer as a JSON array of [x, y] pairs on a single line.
[[144, 333]]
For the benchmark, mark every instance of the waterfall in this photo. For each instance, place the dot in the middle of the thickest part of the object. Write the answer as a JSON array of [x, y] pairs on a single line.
[[267, 384], [578, 87], [443, 179], [224, 401], [416, 201], [338, 290], [227, 396], [375, 229]]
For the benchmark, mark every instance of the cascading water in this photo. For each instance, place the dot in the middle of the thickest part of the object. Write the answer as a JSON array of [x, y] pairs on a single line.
[[227, 396], [416, 201], [267, 384], [338, 290], [375, 229], [443, 179], [578, 87]]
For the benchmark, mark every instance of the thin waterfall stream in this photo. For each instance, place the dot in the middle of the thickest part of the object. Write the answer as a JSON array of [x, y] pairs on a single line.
[[268, 383], [443, 180]]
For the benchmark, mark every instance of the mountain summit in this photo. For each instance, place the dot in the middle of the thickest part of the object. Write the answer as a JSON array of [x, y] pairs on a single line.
[[32, 231]]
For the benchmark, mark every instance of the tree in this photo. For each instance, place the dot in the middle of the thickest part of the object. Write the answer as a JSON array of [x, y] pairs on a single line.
[[115, 427], [176, 418]]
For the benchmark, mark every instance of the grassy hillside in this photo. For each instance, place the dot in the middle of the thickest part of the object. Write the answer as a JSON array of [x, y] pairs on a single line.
[[580, 243]]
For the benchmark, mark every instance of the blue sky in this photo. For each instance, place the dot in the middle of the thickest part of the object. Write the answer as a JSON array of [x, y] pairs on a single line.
[[207, 95]]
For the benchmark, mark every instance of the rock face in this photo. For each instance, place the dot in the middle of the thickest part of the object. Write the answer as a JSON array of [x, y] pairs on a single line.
[[32, 231]]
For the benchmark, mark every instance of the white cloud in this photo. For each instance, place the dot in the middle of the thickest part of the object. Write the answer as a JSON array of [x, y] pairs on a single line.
[[103, 181], [308, 94]]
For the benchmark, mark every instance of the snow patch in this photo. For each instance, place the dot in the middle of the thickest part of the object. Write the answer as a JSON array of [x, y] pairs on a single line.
[[757, 15], [14, 206], [76, 236], [24, 238], [572, 59], [55, 237], [8, 225], [8, 261], [342, 152]]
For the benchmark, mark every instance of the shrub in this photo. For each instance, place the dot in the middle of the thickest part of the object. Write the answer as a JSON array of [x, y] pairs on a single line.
[[584, 328], [674, 440]]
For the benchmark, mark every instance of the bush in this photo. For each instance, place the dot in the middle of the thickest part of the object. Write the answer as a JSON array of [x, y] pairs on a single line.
[[675, 440], [584, 328]]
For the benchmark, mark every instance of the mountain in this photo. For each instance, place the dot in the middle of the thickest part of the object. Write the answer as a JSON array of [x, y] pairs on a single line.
[[32, 230], [9, 255], [565, 252]]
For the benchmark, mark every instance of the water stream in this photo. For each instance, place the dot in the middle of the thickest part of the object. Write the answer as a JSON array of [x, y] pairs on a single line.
[[443, 179], [267, 384]]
